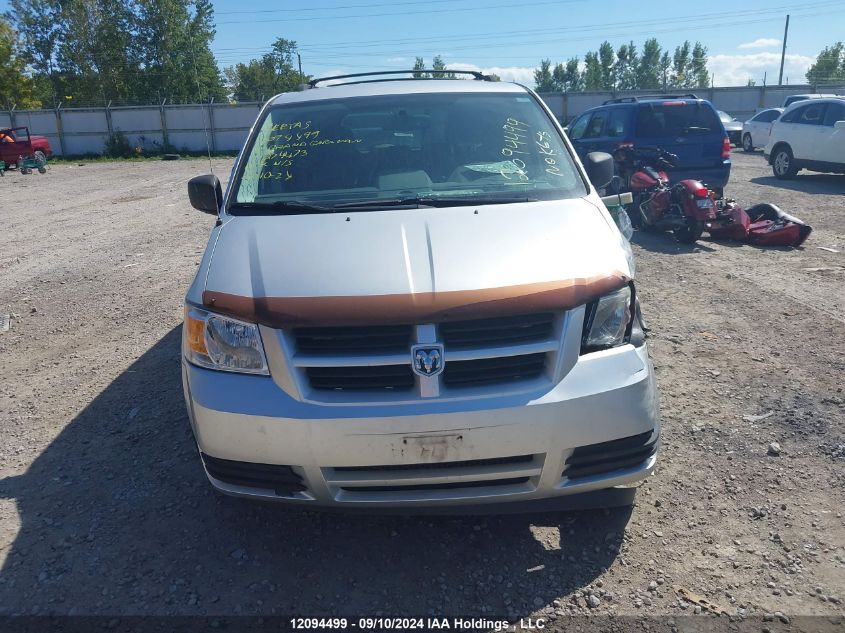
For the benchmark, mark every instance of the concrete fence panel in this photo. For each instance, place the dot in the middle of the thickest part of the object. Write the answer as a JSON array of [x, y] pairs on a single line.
[[224, 126]]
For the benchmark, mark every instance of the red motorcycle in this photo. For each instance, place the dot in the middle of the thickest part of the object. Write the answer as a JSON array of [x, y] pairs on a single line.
[[684, 208]]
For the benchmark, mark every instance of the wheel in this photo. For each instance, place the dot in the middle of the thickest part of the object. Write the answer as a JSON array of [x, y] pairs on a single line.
[[25, 170], [783, 164], [690, 233], [747, 143], [42, 170]]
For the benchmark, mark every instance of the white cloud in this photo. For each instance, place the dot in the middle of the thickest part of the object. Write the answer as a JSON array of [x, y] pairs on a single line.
[[761, 42], [519, 74], [397, 60], [736, 70]]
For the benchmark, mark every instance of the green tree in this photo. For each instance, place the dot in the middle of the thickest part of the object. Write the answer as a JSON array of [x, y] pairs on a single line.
[[97, 51], [665, 68], [606, 59], [626, 66], [543, 78], [274, 73], [174, 38], [37, 21], [648, 66], [680, 66], [592, 76], [16, 88], [829, 66], [560, 78], [438, 64], [572, 76], [83, 51], [419, 66], [699, 76]]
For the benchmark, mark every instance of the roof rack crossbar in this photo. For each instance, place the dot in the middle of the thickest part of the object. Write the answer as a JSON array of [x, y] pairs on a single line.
[[635, 98], [475, 73]]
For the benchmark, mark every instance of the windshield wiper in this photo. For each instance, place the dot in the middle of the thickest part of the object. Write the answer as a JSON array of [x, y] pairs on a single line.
[[458, 201], [281, 206], [379, 202], [432, 201]]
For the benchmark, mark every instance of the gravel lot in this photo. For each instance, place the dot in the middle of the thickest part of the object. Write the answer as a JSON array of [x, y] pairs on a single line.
[[104, 508]]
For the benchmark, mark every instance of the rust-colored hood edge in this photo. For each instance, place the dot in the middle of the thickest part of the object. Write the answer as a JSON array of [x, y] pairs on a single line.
[[414, 308]]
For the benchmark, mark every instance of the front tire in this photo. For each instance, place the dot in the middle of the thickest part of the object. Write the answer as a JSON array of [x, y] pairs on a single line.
[[783, 164], [690, 233], [747, 143]]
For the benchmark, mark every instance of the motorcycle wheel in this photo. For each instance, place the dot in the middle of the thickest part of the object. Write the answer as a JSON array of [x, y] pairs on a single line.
[[690, 233]]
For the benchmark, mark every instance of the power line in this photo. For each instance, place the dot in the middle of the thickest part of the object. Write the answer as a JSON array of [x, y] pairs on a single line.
[[328, 53], [394, 13], [336, 8], [321, 48]]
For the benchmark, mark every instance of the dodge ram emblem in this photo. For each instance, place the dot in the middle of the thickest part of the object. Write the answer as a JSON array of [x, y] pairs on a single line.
[[427, 360]]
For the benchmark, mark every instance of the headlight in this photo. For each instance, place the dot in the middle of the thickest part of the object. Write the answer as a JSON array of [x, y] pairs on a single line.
[[607, 321], [218, 342]]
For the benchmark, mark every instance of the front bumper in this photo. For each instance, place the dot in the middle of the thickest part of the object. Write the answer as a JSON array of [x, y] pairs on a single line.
[[513, 449]]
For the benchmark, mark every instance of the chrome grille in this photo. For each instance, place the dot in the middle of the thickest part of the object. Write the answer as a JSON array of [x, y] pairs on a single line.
[[366, 339], [380, 377], [491, 370], [514, 353], [497, 331]]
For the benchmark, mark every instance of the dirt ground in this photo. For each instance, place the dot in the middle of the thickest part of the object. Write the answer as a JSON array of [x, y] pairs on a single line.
[[104, 508]]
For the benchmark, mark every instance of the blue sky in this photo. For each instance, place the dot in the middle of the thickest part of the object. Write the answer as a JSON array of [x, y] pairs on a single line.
[[510, 38]]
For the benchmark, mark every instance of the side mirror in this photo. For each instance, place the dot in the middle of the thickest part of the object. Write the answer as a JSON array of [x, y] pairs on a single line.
[[205, 193], [599, 166], [839, 125]]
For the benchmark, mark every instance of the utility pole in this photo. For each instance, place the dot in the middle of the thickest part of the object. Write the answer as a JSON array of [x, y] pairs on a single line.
[[299, 59], [783, 51]]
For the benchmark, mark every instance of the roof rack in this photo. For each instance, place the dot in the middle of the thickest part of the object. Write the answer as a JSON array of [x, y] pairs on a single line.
[[636, 98], [479, 76]]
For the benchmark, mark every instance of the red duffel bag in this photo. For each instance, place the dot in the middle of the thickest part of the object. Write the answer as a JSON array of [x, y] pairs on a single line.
[[772, 227]]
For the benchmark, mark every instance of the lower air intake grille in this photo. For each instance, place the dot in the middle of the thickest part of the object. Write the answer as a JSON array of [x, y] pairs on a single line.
[[280, 479], [440, 486], [485, 371], [607, 457], [362, 378], [468, 463]]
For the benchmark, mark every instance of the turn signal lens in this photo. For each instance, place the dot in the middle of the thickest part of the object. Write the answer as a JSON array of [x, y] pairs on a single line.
[[195, 334]]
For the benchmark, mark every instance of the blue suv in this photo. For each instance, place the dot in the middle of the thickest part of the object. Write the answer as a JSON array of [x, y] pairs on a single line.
[[682, 124]]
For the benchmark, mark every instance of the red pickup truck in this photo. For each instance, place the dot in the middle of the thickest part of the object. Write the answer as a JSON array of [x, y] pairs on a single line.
[[17, 143]]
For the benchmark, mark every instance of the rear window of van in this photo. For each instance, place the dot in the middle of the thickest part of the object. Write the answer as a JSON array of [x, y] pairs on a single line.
[[682, 119]]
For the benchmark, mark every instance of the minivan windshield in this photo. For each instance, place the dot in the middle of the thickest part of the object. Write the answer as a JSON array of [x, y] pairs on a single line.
[[395, 150]]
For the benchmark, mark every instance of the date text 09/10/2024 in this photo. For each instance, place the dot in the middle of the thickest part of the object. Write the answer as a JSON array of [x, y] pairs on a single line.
[[414, 624]]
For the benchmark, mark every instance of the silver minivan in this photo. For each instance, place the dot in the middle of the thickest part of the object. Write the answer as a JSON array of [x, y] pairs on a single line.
[[414, 298]]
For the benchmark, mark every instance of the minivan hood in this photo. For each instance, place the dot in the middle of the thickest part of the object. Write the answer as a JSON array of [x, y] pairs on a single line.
[[414, 265]]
